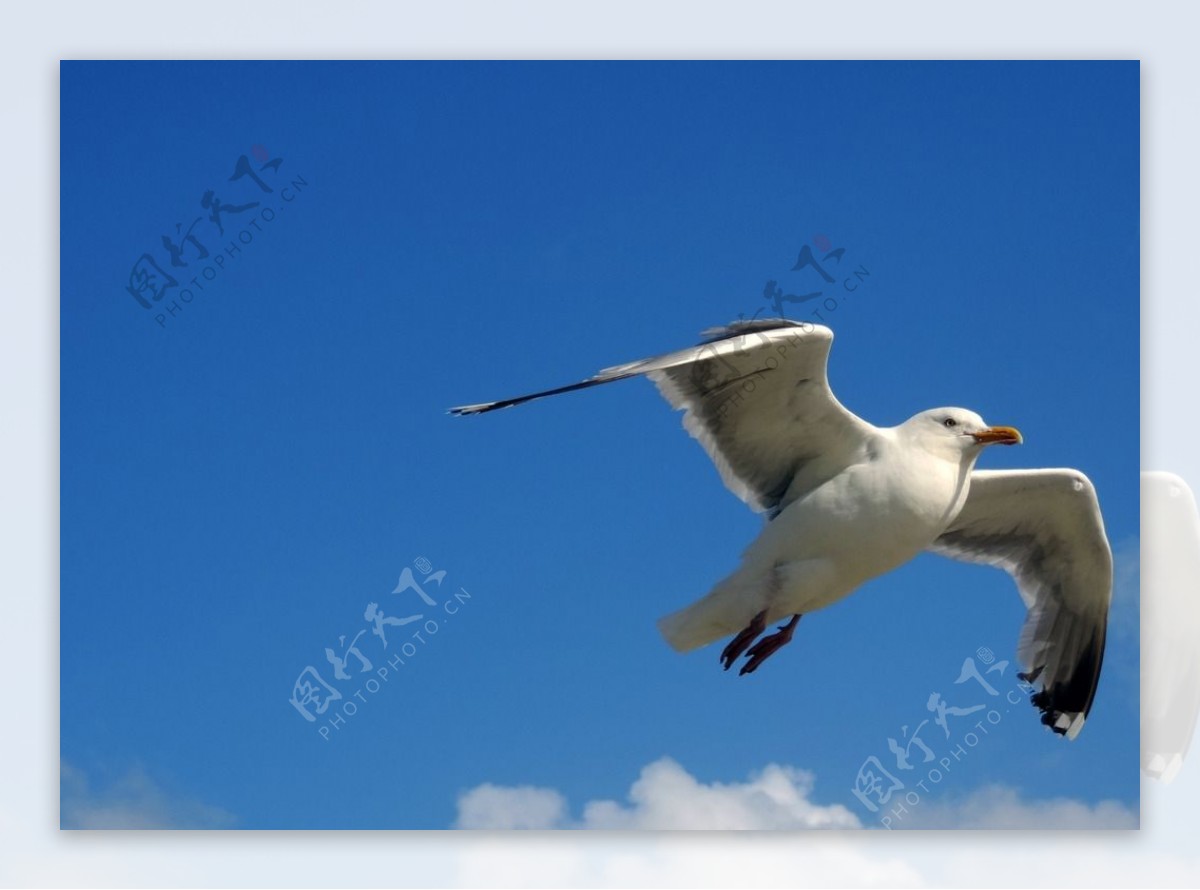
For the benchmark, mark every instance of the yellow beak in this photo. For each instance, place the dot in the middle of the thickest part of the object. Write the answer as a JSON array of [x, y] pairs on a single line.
[[999, 435]]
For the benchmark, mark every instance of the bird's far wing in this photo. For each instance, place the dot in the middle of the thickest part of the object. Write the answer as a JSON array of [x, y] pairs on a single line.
[[1044, 528], [755, 395]]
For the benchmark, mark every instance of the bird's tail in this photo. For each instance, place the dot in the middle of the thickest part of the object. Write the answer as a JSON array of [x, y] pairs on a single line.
[[724, 611]]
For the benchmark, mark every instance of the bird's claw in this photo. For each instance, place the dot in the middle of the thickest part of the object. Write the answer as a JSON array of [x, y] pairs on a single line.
[[767, 646], [742, 641]]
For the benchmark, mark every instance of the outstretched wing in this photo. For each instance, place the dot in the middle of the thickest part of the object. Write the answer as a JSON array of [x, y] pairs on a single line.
[[1044, 528], [756, 396]]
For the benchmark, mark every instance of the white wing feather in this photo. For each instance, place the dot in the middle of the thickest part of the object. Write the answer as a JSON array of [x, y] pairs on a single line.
[[756, 397]]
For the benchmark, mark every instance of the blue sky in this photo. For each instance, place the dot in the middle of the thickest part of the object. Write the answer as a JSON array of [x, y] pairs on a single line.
[[241, 480]]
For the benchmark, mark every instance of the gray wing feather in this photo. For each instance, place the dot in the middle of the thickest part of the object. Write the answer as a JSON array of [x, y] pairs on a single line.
[[1044, 528], [759, 402]]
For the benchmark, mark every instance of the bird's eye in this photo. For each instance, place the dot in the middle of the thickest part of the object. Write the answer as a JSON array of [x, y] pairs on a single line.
[[950, 422]]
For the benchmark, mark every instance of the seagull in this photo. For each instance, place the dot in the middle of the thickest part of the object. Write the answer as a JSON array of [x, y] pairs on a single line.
[[846, 501]]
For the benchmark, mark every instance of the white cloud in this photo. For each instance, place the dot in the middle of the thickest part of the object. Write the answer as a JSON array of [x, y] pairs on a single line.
[[666, 796], [132, 801]]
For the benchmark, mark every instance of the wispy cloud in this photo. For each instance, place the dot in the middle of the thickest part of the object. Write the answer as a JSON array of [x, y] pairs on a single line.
[[998, 806], [132, 801], [524, 806], [666, 796], [1125, 611]]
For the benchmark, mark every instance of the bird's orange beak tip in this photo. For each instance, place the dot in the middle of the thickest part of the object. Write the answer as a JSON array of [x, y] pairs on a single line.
[[999, 435]]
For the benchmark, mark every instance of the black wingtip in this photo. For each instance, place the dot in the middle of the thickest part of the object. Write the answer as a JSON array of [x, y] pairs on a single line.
[[1069, 699], [470, 410]]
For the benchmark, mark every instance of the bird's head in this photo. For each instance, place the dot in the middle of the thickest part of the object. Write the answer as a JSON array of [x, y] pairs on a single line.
[[957, 431]]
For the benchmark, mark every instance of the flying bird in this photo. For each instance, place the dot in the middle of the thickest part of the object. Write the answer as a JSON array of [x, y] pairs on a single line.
[[847, 501]]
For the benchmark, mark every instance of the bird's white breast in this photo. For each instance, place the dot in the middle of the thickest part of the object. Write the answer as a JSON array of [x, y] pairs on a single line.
[[867, 520]]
